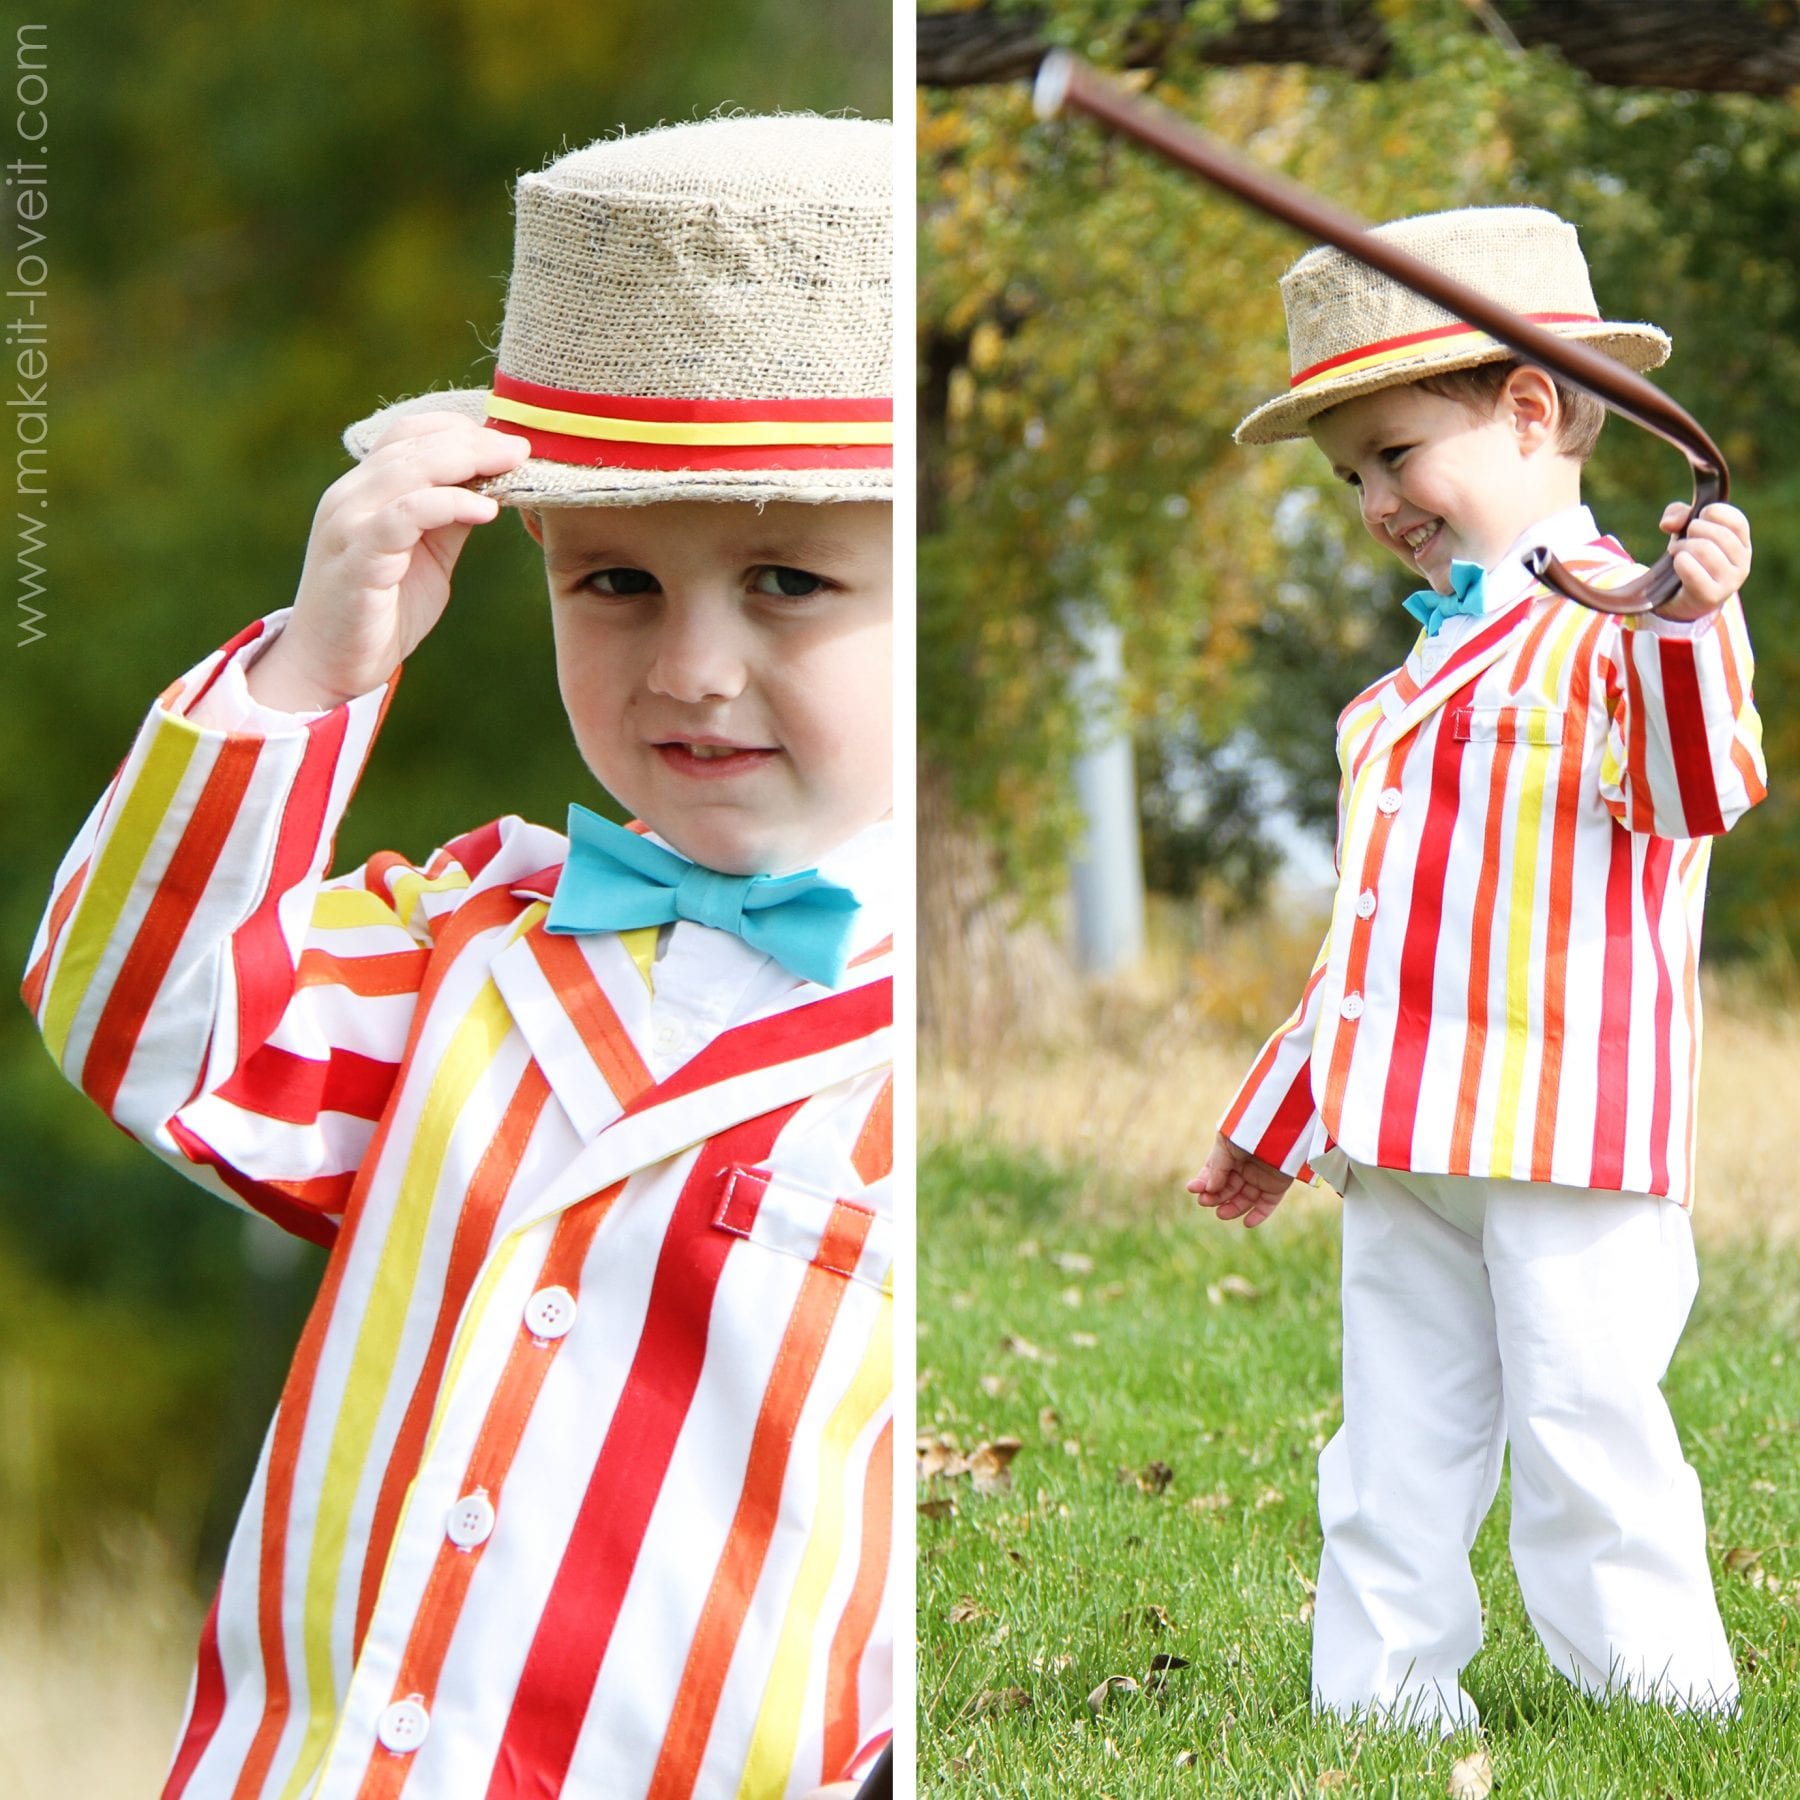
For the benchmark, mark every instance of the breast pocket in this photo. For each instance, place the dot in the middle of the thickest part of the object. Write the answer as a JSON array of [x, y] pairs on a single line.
[[1540, 726], [844, 1234]]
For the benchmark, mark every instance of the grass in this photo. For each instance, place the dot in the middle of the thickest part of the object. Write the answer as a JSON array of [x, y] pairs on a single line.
[[1170, 1382]]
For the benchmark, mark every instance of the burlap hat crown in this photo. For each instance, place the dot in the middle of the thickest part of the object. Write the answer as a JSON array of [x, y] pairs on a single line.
[[698, 312], [1352, 330]]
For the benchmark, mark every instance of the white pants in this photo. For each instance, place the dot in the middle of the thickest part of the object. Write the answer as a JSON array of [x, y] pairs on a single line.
[[1482, 1313]]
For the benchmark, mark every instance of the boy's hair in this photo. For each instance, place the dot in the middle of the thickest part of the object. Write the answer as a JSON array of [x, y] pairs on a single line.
[[1479, 388]]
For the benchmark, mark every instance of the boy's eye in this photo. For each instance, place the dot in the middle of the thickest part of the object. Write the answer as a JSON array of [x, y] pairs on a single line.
[[1394, 452], [790, 584], [623, 582]]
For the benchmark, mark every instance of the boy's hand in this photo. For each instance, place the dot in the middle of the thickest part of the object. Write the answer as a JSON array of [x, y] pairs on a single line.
[[377, 577], [1238, 1185], [1712, 557]]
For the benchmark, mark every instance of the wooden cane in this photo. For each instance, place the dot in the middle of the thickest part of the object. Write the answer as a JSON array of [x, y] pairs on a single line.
[[1065, 81], [880, 1782]]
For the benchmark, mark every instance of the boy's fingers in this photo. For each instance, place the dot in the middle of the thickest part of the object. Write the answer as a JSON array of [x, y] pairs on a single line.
[[442, 460]]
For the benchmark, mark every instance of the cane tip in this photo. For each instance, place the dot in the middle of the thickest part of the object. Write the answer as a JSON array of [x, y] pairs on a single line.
[[1051, 88]]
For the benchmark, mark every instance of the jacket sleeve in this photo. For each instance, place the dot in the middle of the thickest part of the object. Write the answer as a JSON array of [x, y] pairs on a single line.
[[199, 977], [1274, 1115], [1683, 755]]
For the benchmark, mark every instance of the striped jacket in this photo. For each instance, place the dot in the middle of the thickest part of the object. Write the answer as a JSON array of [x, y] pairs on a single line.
[[580, 1482], [1508, 986]]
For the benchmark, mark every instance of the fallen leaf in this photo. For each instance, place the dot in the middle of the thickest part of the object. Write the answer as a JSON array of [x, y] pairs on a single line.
[[1185, 1759], [1083, 1340], [1124, 1684], [1073, 1262], [998, 1700], [1763, 1487], [1332, 1778], [1110, 1749], [1471, 1777], [1014, 1345], [937, 1455], [1048, 1419], [996, 1387], [1156, 1617], [1162, 1662], [1216, 1501], [937, 1509], [988, 1468], [1232, 1287], [1154, 1478], [1114, 1290], [1071, 1296], [1267, 1497], [1741, 1560], [965, 1609], [1051, 1665]]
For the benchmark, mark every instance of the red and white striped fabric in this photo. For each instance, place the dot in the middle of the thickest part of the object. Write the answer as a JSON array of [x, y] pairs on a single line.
[[581, 1480], [1509, 983]]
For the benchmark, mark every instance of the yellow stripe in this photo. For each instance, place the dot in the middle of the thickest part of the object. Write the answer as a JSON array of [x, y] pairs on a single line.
[[408, 888], [1456, 343], [640, 946], [769, 1766], [483, 1029], [1521, 911], [140, 816], [349, 909], [753, 432]]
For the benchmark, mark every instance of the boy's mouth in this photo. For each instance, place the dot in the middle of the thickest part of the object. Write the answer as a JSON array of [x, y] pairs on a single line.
[[1420, 536], [711, 757]]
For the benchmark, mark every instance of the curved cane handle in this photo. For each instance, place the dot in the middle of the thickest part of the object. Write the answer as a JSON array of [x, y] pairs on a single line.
[[1064, 80]]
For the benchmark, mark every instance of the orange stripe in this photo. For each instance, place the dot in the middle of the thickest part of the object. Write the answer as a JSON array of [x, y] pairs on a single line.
[[60, 910], [1344, 1042], [843, 1721], [488, 1187], [1481, 951], [1266, 1061], [753, 1526], [1562, 903], [585, 1001], [873, 1156], [447, 1587], [373, 977], [1529, 649], [867, 956], [1741, 759]]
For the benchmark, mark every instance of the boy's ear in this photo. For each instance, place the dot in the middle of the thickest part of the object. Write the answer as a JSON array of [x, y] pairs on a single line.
[[533, 524], [1530, 400]]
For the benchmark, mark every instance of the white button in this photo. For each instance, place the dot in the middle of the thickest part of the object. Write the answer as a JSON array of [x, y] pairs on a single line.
[[1390, 800], [550, 1312], [667, 1035], [402, 1726], [1351, 1006], [471, 1521], [1365, 904]]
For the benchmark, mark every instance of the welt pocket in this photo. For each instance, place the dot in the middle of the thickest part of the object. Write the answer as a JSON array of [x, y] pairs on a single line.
[[838, 1233], [1535, 725]]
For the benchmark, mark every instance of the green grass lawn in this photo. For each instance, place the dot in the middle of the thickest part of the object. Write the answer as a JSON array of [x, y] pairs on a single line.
[[1170, 1381]]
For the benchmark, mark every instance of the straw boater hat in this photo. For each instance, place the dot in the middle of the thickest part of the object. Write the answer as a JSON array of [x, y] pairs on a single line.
[[1352, 329], [700, 312]]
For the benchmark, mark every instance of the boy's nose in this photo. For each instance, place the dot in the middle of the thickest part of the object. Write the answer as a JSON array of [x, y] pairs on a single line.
[[697, 659]]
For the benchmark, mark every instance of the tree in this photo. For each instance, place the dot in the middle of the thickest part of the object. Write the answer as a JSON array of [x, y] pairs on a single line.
[[1093, 324]]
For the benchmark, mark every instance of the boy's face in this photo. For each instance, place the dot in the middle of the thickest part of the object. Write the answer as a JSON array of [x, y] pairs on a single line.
[[727, 669], [1440, 481]]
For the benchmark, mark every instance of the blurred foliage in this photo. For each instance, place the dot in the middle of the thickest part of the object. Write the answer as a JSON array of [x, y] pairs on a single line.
[[1092, 324], [263, 222]]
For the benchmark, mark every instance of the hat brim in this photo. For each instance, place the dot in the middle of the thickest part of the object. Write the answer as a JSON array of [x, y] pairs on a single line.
[[1638, 347], [539, 482]]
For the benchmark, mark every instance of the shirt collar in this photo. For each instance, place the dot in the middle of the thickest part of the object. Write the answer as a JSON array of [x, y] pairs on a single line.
[[1509, 580]]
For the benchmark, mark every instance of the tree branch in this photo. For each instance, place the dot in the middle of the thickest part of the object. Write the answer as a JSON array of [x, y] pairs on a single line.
[[1732, 46]]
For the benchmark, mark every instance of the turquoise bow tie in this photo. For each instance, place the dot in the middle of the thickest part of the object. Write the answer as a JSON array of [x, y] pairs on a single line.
[[1431, 609], [617, 880]]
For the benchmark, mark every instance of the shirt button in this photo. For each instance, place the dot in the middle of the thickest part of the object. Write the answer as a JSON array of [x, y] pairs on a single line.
[[402, 1726], [1365, 904], [1351, 1006], [1390, 800], [471, 1521], [667, 1035], [550, 1312]]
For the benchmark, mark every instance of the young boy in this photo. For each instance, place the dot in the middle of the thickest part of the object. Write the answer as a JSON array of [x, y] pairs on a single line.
[[1496, 1057], [580, 1482]]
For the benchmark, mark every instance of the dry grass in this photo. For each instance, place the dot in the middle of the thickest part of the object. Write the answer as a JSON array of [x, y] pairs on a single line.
[[96, 1679], [1132, 1078]]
